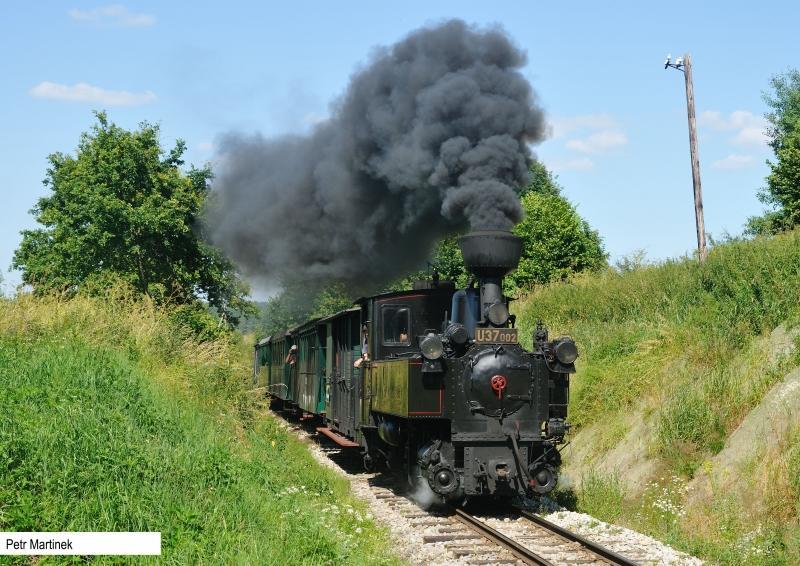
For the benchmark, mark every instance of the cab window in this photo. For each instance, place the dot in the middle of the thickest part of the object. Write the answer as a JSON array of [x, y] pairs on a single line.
[[396, 325]]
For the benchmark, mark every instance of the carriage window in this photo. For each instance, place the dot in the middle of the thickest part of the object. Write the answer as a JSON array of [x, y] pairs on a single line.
[[396, 325]]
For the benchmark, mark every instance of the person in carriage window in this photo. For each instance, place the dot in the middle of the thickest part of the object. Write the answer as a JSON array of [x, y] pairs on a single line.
[[364, 348], [291, 357]]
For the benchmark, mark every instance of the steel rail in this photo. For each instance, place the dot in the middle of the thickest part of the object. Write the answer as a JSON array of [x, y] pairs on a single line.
[[603, 552], [495, 536]]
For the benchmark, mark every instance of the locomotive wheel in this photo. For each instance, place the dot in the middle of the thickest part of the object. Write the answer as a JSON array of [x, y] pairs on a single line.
[[368, 463]]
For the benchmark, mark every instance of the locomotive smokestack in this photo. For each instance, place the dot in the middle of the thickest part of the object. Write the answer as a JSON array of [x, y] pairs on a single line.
[[490, 255]]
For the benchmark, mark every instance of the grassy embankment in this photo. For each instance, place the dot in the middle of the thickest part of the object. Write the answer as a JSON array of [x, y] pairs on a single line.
[[113, 419], [673, 359]]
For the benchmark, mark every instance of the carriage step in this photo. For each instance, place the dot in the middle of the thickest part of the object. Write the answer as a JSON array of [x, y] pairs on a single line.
[[337, 438]]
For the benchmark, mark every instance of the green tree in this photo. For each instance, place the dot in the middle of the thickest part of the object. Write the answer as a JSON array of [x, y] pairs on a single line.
[[557, 242], [542, 181], [296, 304], [445, 260], [122, 208], [783, 183], [331, 300]]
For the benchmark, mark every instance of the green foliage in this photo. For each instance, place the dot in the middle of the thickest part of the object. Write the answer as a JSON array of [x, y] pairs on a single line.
[[687, 423], [601, 497], [633, 327], [122, 206], [297, 304], [784, 101], [445, 260], [330, 300], [557, 242], [285, 310], [783, 182], [687, 347], [542, 182], [631, 262], [112, 423], [195, 318]]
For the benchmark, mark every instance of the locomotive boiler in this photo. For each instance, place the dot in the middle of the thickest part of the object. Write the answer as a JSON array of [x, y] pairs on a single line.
[[433, 382]]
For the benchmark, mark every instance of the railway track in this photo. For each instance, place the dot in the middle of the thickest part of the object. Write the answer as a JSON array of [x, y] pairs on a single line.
[[519, 551], [592, 547], [471, 540], [462, 538]]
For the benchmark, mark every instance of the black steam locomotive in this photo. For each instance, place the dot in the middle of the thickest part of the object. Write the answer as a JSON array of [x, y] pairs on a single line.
[[433, 382]]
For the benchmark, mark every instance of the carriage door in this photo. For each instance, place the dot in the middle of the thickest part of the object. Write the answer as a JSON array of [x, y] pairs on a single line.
[[322, 365], [342, 378], [351, 350]]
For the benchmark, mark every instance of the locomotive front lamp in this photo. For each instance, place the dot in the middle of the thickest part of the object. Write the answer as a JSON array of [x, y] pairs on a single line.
[[497, 314], [457, 334], [432, 347], [566, 351]]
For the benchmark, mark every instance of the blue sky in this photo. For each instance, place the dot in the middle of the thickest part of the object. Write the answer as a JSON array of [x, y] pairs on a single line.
[[619, 139]]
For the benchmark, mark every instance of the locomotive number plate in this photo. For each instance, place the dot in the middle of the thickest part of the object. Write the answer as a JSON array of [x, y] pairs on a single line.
[[496, 336]]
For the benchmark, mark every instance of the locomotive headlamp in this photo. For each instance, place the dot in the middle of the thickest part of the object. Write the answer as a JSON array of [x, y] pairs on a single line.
[[432, 347], [457, 334], [566, 351], [497, 314]]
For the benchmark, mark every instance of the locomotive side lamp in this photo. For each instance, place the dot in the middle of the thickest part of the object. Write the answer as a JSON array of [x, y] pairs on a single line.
[[566, 351], [432, 347]]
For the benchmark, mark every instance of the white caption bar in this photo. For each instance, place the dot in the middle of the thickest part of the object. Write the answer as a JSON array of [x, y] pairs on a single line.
[[84, 544]]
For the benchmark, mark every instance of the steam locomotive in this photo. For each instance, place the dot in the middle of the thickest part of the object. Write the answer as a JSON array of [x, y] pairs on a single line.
[[434, 382]]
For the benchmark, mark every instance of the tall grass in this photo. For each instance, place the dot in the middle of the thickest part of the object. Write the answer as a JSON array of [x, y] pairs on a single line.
[[114, 418], [686, 344], [681, 327]]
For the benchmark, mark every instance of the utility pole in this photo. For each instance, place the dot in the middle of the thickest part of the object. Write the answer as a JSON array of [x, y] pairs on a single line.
[[684, 64]]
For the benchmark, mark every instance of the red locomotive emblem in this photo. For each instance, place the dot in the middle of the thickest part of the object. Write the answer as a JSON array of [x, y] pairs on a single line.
[[498, 383]]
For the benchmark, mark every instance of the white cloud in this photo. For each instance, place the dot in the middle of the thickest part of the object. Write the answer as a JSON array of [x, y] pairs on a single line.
[[314, 119], [749, 128], [112, 15], [591, 134], [751, 136], [579, 164], [564, 125], [599, 142], [84, 92], [733, 162], [205, 146]]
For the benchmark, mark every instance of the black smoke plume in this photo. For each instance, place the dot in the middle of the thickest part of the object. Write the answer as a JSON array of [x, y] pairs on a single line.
[[429, 139]]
